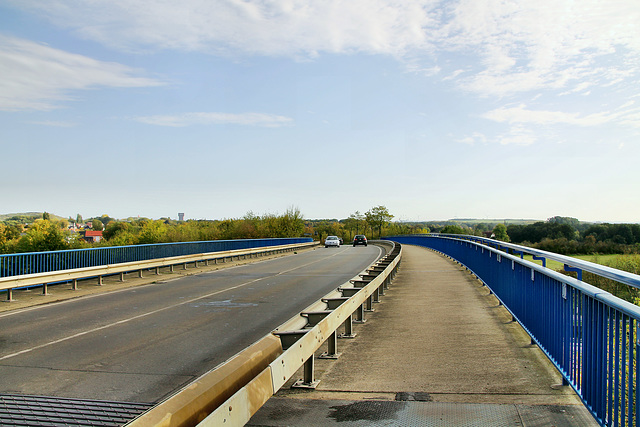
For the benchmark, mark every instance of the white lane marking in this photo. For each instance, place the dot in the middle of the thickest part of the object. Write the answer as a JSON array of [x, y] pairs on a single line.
[[139, 316]]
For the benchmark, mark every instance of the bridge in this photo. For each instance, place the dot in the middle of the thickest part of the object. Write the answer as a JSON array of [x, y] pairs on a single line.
[[495, 338]]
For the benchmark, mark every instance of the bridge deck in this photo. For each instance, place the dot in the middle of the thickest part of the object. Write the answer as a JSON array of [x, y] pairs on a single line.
[[438, 350]]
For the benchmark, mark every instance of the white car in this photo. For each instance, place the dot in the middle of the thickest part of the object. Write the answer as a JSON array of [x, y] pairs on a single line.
[[332, 241]]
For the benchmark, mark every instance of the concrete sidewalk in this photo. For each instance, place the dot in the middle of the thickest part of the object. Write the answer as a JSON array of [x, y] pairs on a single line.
[[438, 350]]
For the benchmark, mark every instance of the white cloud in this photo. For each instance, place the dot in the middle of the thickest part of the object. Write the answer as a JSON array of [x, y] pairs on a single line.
[[505, 47], [189, 119], [270, 27], [521, 114], [517, 135], [473, 139], [39, 77], [54, 123]]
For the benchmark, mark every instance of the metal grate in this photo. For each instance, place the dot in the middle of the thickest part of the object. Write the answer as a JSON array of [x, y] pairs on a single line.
[[18, 410]]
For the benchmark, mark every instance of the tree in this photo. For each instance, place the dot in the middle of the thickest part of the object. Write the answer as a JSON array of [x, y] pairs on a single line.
[[378, 217], [46, 216], [454, 229], [79, 219], [43, 235], [96, 224], [500, 232], [105, 219]]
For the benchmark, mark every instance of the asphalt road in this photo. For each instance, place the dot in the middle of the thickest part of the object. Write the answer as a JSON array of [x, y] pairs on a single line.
[[143, 343]]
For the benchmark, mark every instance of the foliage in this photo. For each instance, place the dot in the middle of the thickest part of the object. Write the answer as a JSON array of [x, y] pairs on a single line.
[[500, 233], [455, 229], [378, 217], [538, 231], [96, 224], [42, 235]]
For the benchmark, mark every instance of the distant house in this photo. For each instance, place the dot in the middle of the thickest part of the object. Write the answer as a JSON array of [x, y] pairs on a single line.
[[93, 236]]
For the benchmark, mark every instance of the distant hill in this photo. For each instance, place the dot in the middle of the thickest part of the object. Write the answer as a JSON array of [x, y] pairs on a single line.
[[495, 221], [28, 215]]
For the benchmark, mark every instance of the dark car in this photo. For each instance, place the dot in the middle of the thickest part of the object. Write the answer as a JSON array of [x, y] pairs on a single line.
[[360, 239]]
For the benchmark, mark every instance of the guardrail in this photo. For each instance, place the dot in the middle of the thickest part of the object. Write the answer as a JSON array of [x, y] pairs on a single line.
[[591, 336], [232, 392], [73, 275], [42, 262]]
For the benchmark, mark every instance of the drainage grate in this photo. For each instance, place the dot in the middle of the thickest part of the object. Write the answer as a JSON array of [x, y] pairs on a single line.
[[18, 410]]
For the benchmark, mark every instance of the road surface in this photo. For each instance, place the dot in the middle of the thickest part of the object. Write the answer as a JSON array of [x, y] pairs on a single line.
[[143, 343]]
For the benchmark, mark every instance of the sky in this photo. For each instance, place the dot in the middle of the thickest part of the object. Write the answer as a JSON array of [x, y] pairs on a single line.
[[217, 108]]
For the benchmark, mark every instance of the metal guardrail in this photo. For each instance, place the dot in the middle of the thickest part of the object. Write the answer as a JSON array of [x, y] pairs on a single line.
[[73, 275], [591, 336], [573, 264], [231, 393], [41, 262]]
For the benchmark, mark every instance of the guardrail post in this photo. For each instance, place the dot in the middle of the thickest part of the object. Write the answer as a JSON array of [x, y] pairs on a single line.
[[369, 306], [74, 286], [44, 289], [332, 348], [360, 314], [171, 268], [99, 280], [157, 271], [348, 328], [308, 380], [9, 295], [122, 276], [140, 273]]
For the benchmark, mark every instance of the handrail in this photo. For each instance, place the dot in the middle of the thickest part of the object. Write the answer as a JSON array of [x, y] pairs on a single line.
[[597, 269], [40, 262], [42, 279], [300, 337]]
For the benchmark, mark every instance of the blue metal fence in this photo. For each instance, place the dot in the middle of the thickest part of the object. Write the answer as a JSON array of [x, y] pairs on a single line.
[[591, 336], [42, 262]]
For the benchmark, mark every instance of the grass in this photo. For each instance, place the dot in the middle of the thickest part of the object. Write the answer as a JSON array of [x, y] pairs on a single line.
[[607, 260]]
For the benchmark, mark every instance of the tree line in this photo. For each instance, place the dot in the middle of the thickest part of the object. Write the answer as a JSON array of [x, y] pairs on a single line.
[[48, 233]]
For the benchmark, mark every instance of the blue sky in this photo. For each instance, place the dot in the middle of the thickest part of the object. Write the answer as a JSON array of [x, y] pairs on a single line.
[[434, 109]]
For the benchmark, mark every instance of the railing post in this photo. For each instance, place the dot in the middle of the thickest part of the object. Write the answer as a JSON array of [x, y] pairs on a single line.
[[369, 306], [348, 328], [332, 347], [308, 380], [360, 314]]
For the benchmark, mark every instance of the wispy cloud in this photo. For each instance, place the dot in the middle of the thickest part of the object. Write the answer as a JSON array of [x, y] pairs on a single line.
[[506, 47], [38, 77], [54, 123], [521, 114], [189, 119]]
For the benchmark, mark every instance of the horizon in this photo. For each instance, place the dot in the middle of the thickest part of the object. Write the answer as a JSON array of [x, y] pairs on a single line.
[[479, 220], [432, 109]]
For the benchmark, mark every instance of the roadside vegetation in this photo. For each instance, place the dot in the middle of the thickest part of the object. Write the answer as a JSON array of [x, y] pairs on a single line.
[[34, 232], [614, 245]]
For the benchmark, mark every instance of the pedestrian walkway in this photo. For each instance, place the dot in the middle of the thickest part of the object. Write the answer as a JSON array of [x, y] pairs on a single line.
[[437, 351]]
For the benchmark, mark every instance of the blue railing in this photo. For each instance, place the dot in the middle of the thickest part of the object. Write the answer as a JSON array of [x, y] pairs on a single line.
[[591, 336], [42, 262]]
